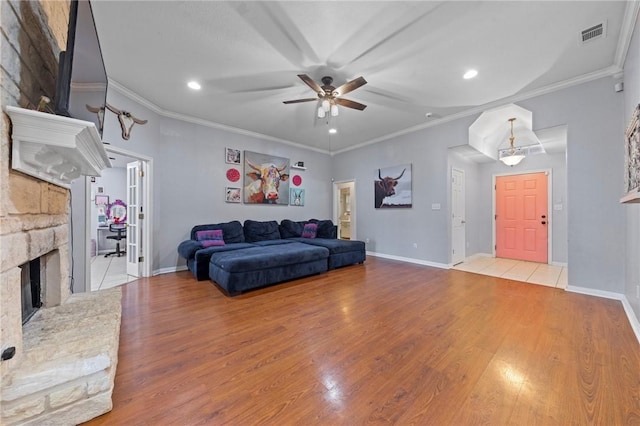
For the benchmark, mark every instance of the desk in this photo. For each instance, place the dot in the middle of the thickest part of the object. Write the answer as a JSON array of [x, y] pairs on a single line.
[[103, 245]]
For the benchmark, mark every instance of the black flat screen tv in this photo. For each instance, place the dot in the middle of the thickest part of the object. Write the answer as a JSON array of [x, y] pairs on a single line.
[[81, 87]]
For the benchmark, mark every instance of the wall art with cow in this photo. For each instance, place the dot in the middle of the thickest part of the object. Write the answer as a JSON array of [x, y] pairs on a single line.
[[266, 179], [392, 188]]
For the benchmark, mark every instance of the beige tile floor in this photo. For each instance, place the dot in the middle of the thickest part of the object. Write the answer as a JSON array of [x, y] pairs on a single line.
[[519, 270], [108, 272]]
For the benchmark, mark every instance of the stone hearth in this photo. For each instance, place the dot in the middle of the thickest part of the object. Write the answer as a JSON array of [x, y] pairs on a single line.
[[66, 372]]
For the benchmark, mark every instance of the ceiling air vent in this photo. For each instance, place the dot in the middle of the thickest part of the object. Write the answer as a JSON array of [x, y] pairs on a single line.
[[593, 33]]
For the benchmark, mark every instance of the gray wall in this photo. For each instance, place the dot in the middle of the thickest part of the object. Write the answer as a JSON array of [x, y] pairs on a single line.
[[190, 176], [595, 230], [631, 100]]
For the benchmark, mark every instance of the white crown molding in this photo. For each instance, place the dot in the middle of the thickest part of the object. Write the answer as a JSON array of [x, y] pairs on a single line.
[[88, 87], [54, 148], [611, 71], [206, 123], [606, 72], [626, 32]]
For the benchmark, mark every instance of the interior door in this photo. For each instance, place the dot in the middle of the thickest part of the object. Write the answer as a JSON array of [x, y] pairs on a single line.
[[458, 223], [134, 216], [522, 218], [344, 210]]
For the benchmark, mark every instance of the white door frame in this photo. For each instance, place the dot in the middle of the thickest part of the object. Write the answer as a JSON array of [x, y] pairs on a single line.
[[147, 239], [464, 214], [549, 209], [351, 183]]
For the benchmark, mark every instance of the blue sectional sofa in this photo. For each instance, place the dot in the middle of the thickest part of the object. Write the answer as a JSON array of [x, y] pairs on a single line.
[[258, 254]]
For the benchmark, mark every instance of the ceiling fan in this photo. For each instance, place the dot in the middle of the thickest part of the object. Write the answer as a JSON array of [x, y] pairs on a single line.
[[329, 96]]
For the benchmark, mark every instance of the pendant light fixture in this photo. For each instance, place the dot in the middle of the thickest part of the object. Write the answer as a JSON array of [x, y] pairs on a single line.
[[512, 155]]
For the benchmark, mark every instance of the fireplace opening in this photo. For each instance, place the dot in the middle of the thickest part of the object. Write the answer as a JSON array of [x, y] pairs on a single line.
[[31, 289]]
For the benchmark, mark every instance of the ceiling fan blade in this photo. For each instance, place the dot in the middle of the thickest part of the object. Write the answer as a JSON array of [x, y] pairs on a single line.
[[309, 81], [350, 104], [350, 86], [296, 101]]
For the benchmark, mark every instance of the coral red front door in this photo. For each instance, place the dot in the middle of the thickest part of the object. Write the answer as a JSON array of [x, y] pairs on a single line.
[[522, 217]]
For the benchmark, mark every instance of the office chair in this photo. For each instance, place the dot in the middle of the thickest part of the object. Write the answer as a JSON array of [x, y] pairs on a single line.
[[121, 230]]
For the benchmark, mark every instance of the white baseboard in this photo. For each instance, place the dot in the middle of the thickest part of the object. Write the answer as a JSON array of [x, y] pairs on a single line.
[[560, 264], [169, 270], [631, 316], [409, 260]]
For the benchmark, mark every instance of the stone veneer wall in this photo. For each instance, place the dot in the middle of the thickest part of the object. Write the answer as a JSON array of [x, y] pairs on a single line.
[[68, 349], [34, 215]]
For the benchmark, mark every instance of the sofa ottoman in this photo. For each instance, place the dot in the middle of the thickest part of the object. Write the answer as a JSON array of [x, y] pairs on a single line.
[[341, 252], [198, 264], [240, 270]]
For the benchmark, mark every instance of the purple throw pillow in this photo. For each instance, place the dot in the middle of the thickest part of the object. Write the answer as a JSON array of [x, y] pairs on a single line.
[[310, 230], [210, 243], [214, 235]]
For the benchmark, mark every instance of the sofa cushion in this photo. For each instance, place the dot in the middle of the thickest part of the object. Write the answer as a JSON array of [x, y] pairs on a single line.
[[261, 231], [310, 230], [188, 248], [291, 229], [335, 246], [232, 232], [259, 258], [204, 255], [326, 228], [271, 242]]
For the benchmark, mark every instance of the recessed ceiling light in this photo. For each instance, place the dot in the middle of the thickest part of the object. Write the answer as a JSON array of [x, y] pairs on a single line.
[[470, 74], [193, 85], [428, 115], [333, 131]]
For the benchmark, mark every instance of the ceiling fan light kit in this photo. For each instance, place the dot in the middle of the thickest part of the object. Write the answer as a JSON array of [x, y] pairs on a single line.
[[329, 96]]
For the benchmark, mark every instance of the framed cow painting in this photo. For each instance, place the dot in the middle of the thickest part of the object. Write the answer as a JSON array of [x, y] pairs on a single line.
[[266, 179], [392, 187]]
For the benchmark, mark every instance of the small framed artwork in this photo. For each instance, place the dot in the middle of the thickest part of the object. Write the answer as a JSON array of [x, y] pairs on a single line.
[[232, 156], [232, 195], [102, 200], [297, 197], [632, 153]]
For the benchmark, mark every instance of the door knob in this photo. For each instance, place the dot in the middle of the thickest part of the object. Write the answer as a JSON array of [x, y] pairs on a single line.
[[544, 216], [543, 222]]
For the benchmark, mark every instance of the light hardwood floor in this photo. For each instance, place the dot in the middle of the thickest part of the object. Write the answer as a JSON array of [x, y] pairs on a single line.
[[383, 342]]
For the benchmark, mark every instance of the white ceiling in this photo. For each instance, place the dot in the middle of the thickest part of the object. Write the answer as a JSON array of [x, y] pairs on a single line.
[[246, 55]]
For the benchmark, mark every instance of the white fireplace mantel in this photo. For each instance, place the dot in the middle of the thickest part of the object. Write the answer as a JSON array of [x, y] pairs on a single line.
[[55, 148]]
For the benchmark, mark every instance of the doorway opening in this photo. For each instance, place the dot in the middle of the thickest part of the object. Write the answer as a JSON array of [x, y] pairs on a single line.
[[344, 211], [130, 181]]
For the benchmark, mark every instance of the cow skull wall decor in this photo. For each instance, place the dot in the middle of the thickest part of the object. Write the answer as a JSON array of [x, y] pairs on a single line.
[[99, 111], [127, 120]]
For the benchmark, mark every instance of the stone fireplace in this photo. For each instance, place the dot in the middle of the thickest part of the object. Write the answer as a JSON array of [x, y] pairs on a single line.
[[59, 367]]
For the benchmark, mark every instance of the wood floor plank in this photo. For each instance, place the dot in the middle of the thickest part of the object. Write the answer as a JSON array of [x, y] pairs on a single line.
[[381, 343]]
